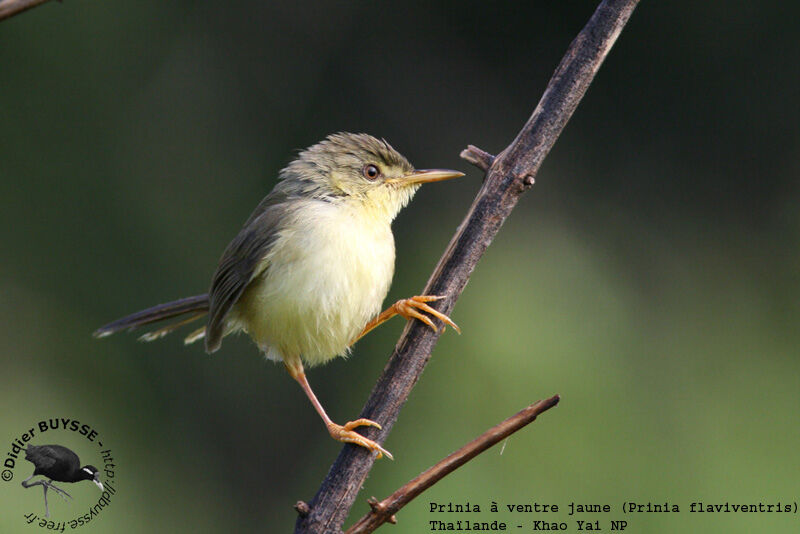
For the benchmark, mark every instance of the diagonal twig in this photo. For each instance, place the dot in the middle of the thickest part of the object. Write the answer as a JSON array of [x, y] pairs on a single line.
[[509, 175], [9, 8], [384, 510]]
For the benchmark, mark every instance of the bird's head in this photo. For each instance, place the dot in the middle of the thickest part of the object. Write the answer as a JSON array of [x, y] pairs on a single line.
[[360, 169], [90, 472]]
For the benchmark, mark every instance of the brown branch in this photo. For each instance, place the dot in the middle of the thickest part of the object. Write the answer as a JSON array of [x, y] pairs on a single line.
[[384, 510], [480, 158], [9, 8], [510, 174]]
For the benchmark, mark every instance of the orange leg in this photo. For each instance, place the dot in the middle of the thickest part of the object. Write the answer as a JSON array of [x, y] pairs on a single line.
[[408, 309], [344, 432]]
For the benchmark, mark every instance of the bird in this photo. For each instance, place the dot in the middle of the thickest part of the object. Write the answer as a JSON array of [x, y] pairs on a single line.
[[307, 274], [57, 463]]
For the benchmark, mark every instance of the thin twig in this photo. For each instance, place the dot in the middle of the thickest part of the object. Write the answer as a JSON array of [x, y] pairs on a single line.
[[480, 158], [9, 8], [511, 173], [383, 511]]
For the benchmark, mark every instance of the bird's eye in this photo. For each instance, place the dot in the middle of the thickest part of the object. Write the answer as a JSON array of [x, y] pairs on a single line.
[[371, 172]]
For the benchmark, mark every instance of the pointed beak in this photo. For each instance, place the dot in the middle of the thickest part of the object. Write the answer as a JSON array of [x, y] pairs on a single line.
[[424, 176], [99, 484]]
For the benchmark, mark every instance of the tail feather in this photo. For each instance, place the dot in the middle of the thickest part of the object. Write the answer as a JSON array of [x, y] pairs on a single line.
[[163, 331], [197, 306], [197, 335]]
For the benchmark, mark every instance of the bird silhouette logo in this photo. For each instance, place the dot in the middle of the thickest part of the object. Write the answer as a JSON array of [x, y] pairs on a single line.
[[57, 463]]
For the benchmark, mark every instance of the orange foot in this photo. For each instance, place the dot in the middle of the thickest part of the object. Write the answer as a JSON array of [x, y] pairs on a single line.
[[347, 435], [408, 309]]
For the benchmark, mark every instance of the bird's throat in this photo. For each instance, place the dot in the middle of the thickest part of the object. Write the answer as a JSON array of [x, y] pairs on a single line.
[[384, 203]]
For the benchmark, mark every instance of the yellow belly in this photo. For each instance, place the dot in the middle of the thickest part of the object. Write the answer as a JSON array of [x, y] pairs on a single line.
[[326, 276]]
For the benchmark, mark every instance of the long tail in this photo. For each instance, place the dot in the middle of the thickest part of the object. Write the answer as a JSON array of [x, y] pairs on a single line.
[[194, 307]]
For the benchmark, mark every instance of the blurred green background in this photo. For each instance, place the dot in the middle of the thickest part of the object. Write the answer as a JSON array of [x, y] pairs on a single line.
[[650, 276]]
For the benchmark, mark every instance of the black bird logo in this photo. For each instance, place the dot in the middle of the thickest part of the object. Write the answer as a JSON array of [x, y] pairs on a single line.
[[60, 464]]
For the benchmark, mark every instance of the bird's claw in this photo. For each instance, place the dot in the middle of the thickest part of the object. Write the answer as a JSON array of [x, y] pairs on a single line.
[[346, 434], [408, 309]]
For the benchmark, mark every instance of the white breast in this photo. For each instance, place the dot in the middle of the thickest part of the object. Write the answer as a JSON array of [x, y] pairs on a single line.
[[327, 275]]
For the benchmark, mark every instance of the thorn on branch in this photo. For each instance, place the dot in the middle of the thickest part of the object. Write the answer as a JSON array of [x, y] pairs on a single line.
[[375, 505], [302, 507], [480, 158]]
